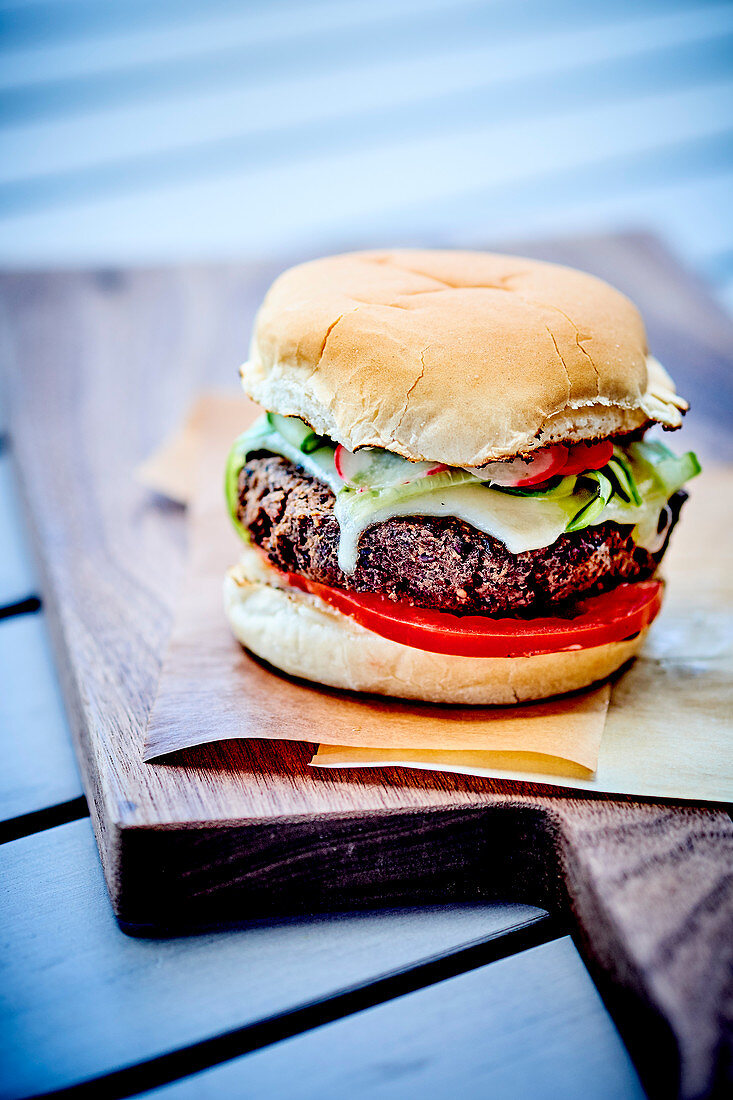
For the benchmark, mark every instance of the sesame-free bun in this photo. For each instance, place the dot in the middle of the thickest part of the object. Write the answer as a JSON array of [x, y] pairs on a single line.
[[304, 636], [455, 357]]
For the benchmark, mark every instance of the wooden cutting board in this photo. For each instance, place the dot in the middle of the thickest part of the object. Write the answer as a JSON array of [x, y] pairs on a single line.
[[102, 364]]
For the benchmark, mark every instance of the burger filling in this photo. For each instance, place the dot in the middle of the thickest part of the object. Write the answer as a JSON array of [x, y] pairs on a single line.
[[524, 537]]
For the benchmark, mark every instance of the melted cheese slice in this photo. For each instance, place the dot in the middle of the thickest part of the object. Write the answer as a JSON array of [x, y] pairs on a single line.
[[520, 523]]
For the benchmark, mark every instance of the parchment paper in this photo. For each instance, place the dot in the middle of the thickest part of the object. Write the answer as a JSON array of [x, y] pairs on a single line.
[[668, 727], [210, 689]]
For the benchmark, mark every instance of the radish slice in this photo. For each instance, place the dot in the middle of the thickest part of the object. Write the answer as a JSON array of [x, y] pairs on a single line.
[[337, 461]]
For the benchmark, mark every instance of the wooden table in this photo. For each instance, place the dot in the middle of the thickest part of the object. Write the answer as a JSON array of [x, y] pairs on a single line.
[[484, 997], [138, 130]]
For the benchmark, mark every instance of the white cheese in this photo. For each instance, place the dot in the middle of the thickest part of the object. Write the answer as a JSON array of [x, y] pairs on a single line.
[[520, 523]]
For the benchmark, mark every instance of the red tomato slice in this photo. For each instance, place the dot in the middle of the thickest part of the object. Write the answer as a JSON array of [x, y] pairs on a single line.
[[611, 617], [587, 456], [544, 465]]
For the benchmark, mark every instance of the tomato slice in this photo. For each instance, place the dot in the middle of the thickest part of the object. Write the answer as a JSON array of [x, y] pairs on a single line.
[[587, 456], [544, 465], [610, 617]]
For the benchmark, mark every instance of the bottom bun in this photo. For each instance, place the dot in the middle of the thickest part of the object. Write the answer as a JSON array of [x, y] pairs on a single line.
[[304, 636]]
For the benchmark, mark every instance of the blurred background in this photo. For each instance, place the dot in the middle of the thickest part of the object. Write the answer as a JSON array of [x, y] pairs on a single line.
[[163, 130]]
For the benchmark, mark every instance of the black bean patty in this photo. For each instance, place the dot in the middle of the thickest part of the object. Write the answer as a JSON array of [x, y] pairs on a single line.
[[440, 563]]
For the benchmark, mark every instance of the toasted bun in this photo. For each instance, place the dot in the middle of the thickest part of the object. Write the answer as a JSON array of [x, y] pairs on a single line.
[[306, 637], [455, 357]]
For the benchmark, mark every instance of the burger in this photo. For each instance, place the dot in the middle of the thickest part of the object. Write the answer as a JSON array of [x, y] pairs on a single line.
[[450, 495]]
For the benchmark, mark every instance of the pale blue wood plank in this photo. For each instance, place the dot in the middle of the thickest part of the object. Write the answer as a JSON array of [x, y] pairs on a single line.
[[693, 214], [295, 115], [28, 22], [315, 36], [208, 28], [321, 202], [87, 999], [17, 574], [507, 187], [40, 19], [526, 1027], [38, 766]]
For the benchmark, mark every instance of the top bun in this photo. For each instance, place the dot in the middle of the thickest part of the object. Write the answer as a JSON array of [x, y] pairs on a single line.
[[455, 357]]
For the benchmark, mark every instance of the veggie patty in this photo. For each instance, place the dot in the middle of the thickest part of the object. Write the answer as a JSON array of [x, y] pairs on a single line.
[[439, 563]]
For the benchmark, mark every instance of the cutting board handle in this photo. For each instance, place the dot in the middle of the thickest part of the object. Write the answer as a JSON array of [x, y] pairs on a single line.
[[648, 893], [652, 894]]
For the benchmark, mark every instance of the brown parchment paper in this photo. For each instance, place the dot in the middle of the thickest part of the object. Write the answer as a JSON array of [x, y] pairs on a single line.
[[667, 731], [669, 727], [215, 418], [211, 690]]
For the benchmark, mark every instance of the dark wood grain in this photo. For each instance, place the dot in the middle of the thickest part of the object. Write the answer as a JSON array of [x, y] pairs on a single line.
[[101, 365], [92, 1002]]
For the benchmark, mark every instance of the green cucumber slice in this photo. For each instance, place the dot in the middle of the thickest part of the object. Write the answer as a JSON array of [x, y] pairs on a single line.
[[669, 470], [592, 510], [235, 461], [364, 501]]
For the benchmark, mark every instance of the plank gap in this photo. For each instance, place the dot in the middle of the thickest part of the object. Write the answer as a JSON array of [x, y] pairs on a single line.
[[29, 606], [39, 820], [197, 1057]]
